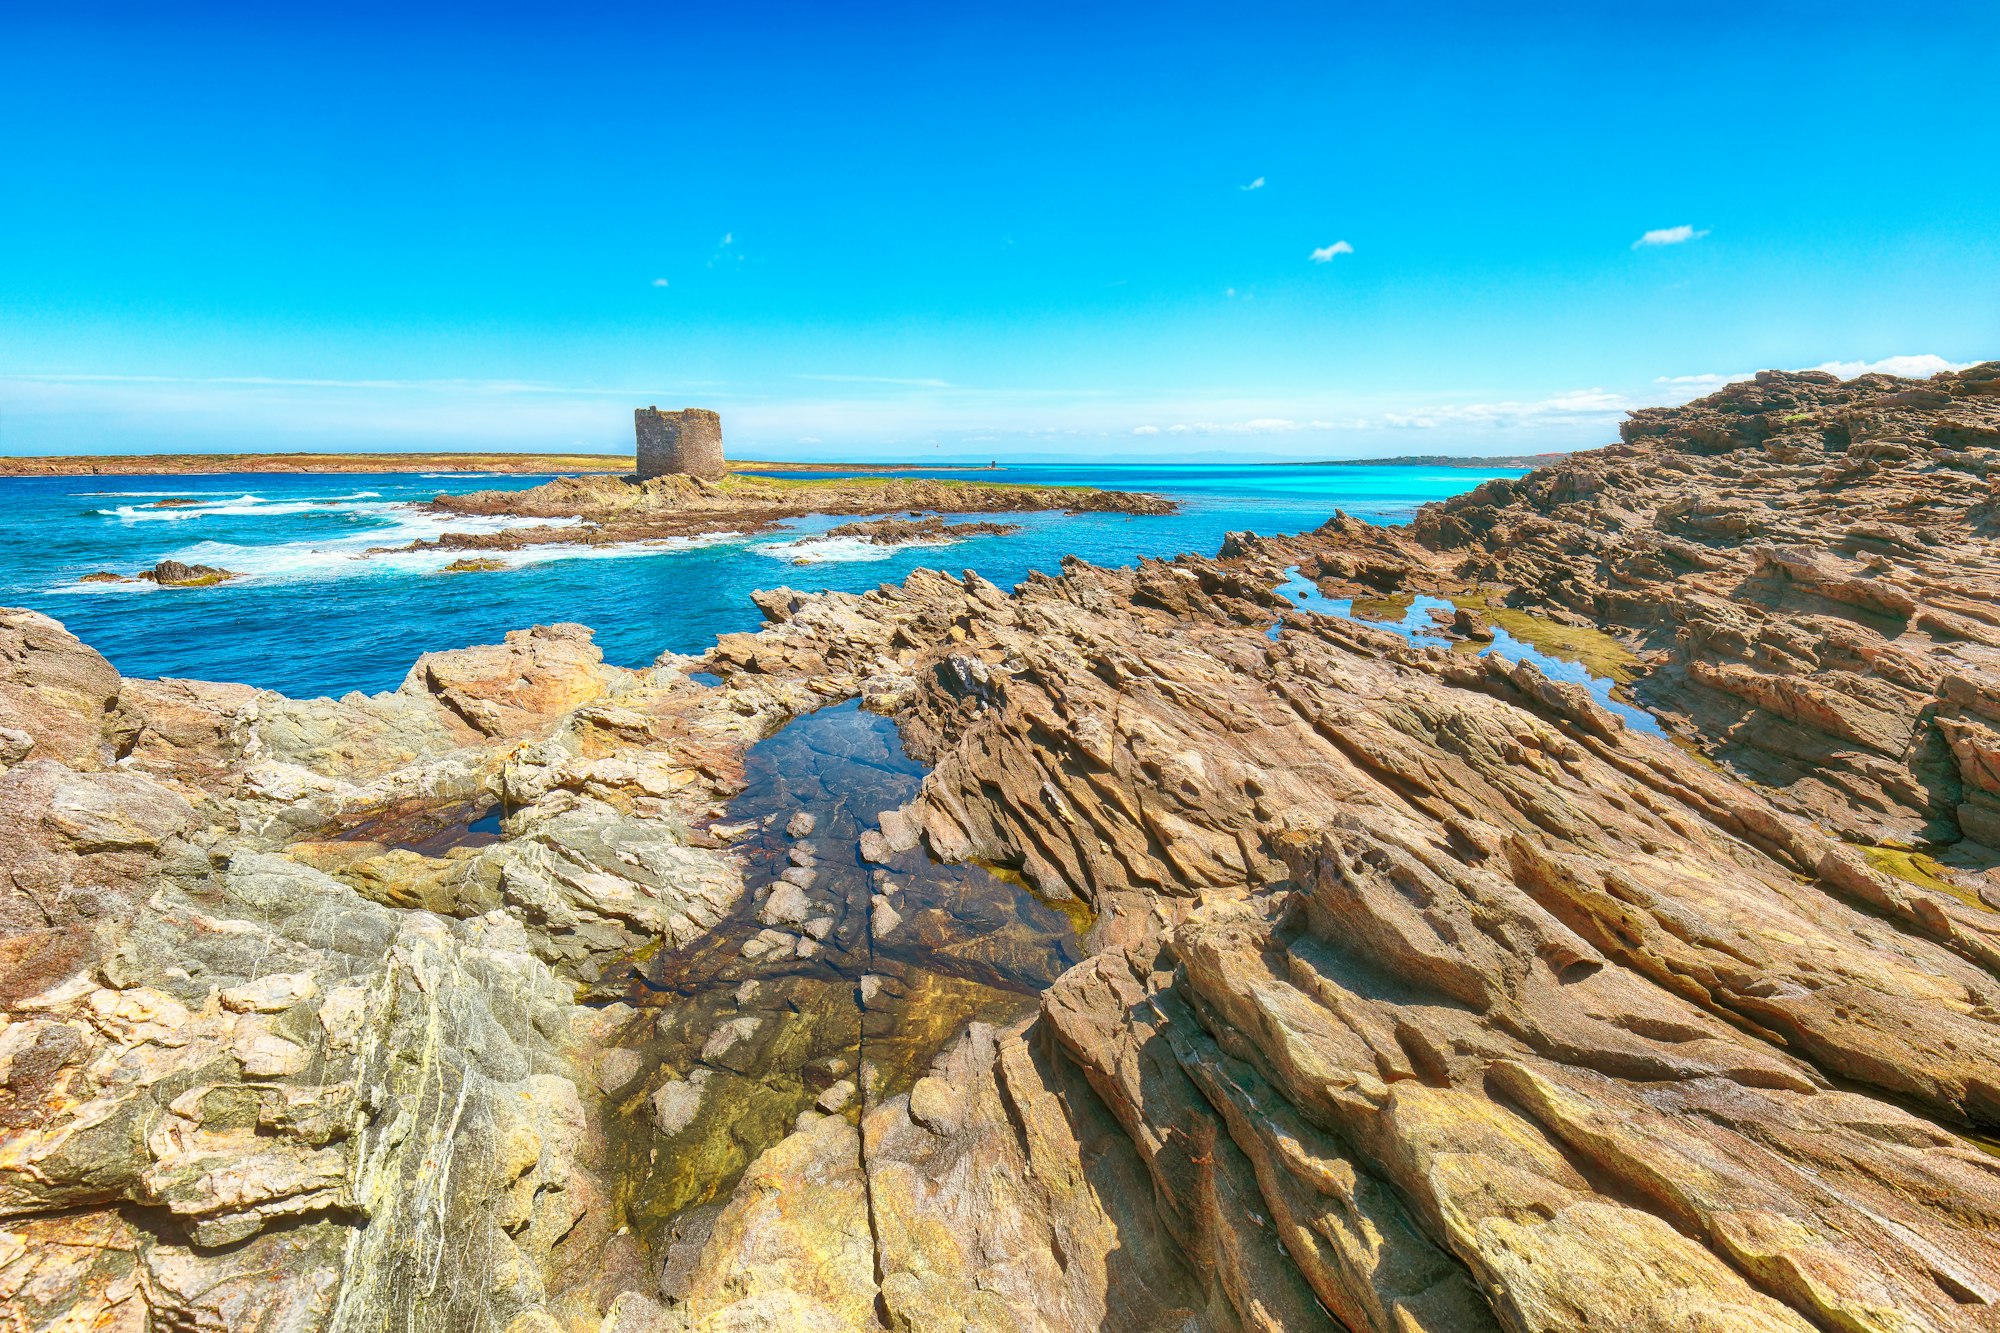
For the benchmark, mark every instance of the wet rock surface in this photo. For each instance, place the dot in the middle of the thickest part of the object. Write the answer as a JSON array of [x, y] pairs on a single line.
[[919, 528], [177, 574], [834, 982], [1210, 958]]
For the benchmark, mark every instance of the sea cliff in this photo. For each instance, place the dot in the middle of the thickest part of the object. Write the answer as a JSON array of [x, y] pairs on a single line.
[[1415, 990]]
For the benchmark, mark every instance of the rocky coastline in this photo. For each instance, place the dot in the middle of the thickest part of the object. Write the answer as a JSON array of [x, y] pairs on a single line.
[[1412, 989], [604, 511]]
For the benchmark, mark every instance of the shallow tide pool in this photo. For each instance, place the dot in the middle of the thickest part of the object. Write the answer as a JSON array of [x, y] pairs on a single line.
[[1419, 626]]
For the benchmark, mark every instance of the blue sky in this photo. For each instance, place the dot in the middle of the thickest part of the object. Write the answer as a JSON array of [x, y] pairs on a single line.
[[1030, 231]]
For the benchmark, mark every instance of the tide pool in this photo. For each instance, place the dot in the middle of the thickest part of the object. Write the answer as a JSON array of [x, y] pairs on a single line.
[[1419, 626], [315, 613]]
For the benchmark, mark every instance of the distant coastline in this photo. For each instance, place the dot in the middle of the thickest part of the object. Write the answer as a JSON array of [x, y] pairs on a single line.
[[1434, 460], [161, 465], [519, 464]]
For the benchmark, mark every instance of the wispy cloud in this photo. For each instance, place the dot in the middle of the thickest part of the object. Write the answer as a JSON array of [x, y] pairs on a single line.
[[1576, 405], [661, 282], [444, 386], [1704, 381], [879, 379], [1326, 252], [1254, 426], [1257, 184], [1680, 235], [724, 249]]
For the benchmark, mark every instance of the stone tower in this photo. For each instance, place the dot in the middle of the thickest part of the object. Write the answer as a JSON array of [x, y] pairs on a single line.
[[687, 443]]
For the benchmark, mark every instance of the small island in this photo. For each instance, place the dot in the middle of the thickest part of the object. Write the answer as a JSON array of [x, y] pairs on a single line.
[[683, 487]]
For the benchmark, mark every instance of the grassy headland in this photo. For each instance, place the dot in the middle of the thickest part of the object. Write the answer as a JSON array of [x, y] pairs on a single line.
[[162, 465]]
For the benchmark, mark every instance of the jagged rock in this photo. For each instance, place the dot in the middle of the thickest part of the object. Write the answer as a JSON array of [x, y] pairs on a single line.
[[1421, 993], [516, 687], [59, 694], [174, 574]]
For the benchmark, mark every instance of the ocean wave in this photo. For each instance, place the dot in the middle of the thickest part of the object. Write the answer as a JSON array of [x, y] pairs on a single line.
[[358, 557], [95, 589], [253, 506], [835, 550]]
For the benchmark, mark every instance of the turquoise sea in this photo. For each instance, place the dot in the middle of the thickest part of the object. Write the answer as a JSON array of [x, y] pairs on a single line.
[[315, 614]]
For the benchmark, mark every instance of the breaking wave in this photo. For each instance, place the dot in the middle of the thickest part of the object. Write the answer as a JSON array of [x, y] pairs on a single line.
[[835, 550]]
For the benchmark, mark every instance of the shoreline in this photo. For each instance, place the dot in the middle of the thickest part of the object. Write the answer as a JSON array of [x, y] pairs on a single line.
[[684, 965], [562, 464], [503, 464]]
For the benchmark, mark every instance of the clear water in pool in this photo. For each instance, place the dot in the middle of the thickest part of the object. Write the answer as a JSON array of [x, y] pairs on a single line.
[[1418, 626]]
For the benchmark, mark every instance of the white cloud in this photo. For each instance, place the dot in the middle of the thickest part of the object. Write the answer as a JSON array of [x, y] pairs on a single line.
[[1327, 252], [1670, 236], [1918, 367], [1257, 184], [1145, 430], [660, 282]]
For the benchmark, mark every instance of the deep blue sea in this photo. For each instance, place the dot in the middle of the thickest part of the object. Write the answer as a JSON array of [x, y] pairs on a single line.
[[313, 614]]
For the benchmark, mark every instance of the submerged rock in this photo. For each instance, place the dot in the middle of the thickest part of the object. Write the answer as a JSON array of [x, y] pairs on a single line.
[[918, 529]]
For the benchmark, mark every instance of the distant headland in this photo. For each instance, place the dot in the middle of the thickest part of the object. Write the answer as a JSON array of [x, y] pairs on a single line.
[[514, 464]]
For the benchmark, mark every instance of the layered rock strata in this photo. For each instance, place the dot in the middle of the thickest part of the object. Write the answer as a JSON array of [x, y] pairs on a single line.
[[1421, 992]]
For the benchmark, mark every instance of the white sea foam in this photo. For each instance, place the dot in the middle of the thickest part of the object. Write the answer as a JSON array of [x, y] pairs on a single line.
[[835, 550], [93, 589], [369, 547], [252, 506], [350, 557]]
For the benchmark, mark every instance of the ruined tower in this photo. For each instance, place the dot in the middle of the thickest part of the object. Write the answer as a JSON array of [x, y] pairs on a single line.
[[687, 442]]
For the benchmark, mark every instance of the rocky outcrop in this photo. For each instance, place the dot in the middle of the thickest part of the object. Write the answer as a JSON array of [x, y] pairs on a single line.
[[627, 509], [1418, 990], [58, 699], [919, 529], [244, 1035], [1805, 565], [175, 574]]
